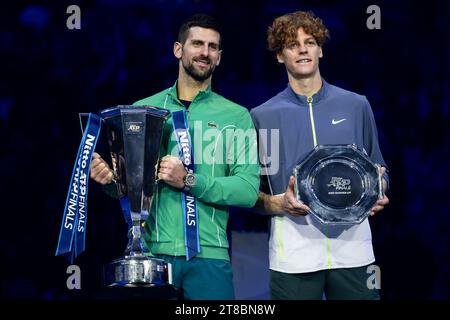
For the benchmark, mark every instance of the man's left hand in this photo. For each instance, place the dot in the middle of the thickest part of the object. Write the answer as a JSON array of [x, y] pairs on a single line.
[[172, 171]]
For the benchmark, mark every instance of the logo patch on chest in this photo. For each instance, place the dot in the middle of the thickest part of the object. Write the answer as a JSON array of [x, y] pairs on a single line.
[[212, 124], [337, 121]]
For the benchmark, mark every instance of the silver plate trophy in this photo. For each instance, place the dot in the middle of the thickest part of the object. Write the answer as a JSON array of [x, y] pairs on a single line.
[[134, 137], [339, 183]]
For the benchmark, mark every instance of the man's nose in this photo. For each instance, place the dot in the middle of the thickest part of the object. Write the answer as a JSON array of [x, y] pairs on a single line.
[[204, 50], [302, 49]]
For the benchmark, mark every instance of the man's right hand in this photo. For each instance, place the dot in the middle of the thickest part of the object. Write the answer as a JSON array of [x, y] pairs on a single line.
[[100, 170], [285, 203], [290, 204]]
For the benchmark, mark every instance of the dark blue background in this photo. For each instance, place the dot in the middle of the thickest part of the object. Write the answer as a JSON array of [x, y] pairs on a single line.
[[123, 53]]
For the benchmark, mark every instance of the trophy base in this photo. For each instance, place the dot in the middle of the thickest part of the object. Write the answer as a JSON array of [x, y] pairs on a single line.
[[137, 271]]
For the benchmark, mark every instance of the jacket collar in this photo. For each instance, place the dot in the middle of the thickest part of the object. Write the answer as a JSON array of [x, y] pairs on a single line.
[[201, 95], [303, 100]]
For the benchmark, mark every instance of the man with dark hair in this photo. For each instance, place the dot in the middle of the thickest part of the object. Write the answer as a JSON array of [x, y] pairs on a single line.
[[308, 259], [198, 20], [220, 178]]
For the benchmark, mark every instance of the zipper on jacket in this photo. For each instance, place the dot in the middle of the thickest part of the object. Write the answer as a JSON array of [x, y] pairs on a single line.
[[311, 116], [313, 127]]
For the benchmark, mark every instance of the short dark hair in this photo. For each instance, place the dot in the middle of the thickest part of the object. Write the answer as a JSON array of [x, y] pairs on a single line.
[[197, 20]]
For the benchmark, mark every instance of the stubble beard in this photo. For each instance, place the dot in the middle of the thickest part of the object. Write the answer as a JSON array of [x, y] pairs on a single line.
[[195, 73]]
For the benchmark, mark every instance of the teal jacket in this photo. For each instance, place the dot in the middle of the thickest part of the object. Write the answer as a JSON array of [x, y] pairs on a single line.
[[226, 171]]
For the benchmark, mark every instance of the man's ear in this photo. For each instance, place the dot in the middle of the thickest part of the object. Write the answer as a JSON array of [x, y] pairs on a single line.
[[219, 57], [320, 52], [280, 58], [177, 50]]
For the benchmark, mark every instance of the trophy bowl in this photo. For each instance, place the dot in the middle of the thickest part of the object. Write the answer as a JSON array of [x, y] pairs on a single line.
[[339, 183]]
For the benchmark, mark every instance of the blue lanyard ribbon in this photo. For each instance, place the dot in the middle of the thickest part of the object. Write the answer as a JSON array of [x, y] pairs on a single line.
[[189, 203], [72, 236], [125, 205]]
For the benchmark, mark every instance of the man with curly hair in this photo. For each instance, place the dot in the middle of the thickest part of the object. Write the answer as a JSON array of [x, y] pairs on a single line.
[[308, 259]]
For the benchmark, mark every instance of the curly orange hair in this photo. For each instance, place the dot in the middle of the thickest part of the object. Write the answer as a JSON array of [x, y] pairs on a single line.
[[283, 30]]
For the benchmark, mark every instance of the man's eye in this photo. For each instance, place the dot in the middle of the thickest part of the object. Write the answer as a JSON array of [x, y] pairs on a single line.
[[311, 43], [292, 45]]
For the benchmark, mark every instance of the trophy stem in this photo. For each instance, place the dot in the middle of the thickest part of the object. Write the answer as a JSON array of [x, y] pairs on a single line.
[[136, 243]]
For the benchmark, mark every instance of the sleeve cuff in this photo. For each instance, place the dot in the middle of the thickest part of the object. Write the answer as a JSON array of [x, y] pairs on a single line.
[[200, 185], [111, 190]]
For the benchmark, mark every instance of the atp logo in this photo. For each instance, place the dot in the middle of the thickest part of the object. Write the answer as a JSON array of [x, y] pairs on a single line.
[[134, 127], [340, 183]]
